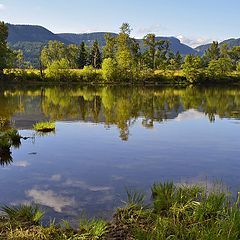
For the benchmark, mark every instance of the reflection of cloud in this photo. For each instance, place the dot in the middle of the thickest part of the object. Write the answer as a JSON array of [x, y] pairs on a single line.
[[21, 164], [2, 7], [50, 199], [56, 177], [189, 114], [84, 185]]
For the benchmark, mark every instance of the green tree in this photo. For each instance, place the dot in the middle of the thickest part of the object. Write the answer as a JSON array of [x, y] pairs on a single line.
[[224, 51], [213, 52], [109, 69], [82, 59], [238, 67], [234, 54], [109, 50], [124, 57], [58, 70], [54, 51], [155, 47], [72, 55], [19, 59], [96, 60], [220, 67], [4, 51], [192, 68]]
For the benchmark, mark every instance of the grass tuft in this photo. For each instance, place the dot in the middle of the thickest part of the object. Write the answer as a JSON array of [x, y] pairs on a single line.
[[44, 127]]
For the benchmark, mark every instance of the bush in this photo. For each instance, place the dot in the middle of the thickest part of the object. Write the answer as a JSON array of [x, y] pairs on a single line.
[[109, 69], [59, 70], [220, 67]]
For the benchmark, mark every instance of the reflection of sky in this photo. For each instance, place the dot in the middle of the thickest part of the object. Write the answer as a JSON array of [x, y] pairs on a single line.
[[86, 167]]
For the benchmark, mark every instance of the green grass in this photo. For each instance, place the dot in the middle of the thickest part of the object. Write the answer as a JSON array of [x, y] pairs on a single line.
[[44, 127], [181, 212]]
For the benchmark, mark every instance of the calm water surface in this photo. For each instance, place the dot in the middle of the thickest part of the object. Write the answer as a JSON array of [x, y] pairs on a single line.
[[108, 139]]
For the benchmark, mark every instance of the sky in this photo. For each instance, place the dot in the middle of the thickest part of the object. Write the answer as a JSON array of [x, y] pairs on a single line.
[[194, 22]]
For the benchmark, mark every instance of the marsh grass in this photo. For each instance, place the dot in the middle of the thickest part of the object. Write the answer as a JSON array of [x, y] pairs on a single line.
[[44, 127], [187, 212], [176, 212]]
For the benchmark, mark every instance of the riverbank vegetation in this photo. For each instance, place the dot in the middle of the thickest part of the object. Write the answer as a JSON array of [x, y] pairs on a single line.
[[182, 211], [122, 60]]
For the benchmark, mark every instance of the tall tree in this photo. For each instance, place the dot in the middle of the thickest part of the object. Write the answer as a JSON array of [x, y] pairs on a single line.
[[82, 56], [154, 46], [123, 55], [96, 59], [213, 52], [109, 50], [54, 51], [3, 46]]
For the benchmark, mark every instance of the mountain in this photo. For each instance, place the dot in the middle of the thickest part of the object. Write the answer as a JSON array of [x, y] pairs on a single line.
[[31, 39], [31, 33], [88, 38], [230, 42]]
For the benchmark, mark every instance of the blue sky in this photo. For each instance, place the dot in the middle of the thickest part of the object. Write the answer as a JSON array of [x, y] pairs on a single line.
[[194, 22]]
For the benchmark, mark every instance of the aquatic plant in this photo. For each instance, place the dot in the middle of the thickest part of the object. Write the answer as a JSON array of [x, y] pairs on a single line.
[[44, 127]]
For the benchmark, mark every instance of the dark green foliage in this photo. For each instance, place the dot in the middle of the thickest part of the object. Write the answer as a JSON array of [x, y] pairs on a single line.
[[3, 46], [96, 59], [213, 52], [9, 137], [82, 59], [23, 213]]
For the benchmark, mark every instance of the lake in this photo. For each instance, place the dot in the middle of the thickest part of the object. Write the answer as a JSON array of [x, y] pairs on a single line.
[[112, 138]]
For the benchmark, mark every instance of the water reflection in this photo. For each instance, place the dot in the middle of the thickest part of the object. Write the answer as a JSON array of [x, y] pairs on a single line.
[[119, 106], [168, 134]]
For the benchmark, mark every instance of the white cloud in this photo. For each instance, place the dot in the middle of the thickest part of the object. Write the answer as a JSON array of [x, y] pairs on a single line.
[[84, 185], [2, 7], [21, 164], [56, 177], [51, 199], [194, 42], [189, 114]]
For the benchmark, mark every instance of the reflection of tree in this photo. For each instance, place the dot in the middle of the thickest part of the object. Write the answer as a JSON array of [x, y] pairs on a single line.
[[5, 157], [119, 105]]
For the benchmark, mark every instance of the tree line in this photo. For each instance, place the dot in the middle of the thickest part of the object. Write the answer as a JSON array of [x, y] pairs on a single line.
[[122, 59]]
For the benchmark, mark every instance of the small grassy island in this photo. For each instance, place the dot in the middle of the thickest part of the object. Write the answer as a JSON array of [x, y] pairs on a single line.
[[176, 212], [44, 127]]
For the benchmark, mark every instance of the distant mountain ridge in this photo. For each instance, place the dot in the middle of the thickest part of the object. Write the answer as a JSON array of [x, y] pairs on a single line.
[[230, 42], [31, 38]]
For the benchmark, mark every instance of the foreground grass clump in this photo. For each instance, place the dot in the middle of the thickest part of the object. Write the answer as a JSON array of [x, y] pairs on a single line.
[[183, 212], [44, 127], [176, 212], [23, 223]]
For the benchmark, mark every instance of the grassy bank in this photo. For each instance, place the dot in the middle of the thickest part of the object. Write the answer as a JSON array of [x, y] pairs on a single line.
[[175, 212], [96, 76]]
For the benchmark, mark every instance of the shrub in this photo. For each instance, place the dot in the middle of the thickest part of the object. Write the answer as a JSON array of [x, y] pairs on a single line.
[[109, 69], [59, 70]]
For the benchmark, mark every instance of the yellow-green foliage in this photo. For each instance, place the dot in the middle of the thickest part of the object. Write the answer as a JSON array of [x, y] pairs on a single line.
[[58, 70], [44, 126]]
